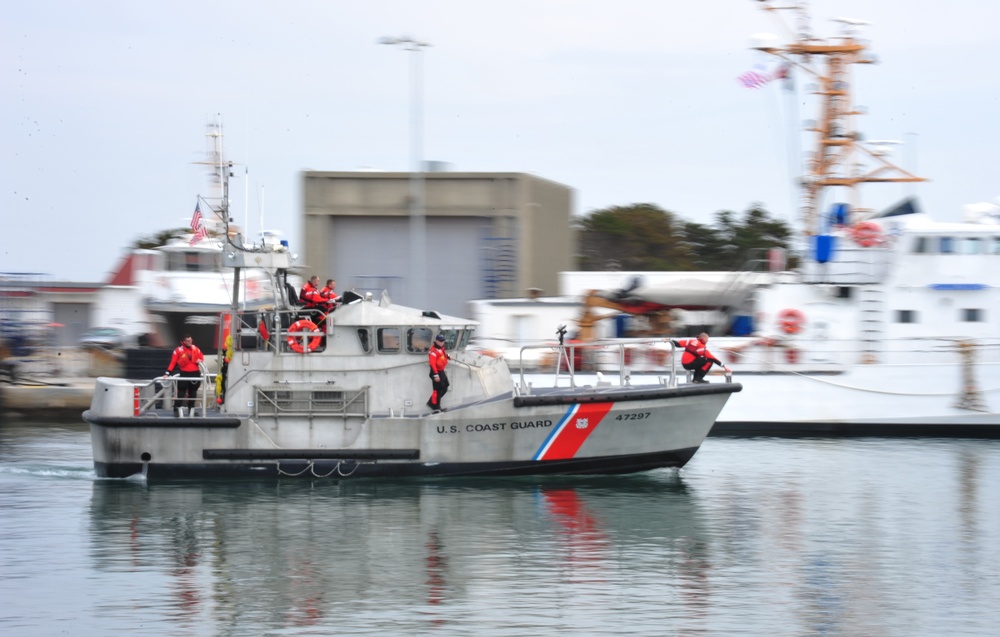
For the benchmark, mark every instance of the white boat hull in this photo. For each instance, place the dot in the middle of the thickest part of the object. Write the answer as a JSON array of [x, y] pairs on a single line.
[[872, 400], [608, 431]]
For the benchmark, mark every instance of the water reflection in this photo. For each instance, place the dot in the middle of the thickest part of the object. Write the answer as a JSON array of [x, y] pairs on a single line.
[[286, 554]]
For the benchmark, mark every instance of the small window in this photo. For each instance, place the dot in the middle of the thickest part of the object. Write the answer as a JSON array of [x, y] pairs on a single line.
[[947, 245], [388, 340], [906, 316], [972, 245], [418, 339], [996, 245], [450, 337], [920, 246], [365, 337], [972, 315], [466, 337]]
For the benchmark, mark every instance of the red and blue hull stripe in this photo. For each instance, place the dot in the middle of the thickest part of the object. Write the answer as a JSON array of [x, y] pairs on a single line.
[[572, 431]]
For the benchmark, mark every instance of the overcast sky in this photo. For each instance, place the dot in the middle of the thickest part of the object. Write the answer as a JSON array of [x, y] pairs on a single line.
[[105, 105]]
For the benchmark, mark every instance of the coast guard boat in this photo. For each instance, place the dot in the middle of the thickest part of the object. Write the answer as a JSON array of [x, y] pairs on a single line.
[[343, 395]]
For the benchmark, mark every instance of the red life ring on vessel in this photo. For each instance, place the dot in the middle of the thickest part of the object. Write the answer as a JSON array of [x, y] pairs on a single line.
[[791, 355], [791, 320], [297, 343], [866, 234]]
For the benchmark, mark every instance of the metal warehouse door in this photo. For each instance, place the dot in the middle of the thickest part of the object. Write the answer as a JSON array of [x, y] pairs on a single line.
[[373, 253]]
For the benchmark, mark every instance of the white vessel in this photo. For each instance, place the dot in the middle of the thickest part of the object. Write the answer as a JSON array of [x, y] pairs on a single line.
[[344, 396], [886, 327], [182, 287], [186, 288]]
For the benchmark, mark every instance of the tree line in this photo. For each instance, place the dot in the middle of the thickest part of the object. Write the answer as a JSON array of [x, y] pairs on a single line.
[[644, 237]]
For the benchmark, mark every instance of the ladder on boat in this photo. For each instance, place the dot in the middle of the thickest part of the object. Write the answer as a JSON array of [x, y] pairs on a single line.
[[872, 328]]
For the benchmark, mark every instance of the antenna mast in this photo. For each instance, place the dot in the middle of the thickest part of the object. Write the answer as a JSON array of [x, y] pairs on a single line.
[[220, 170], [841, 158]]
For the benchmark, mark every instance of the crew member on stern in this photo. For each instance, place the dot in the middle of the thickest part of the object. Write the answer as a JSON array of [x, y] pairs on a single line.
[[186, 357], [438, 359], [697, 358]]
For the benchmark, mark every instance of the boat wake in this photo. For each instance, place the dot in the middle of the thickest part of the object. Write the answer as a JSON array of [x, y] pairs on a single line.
[[49, 471]]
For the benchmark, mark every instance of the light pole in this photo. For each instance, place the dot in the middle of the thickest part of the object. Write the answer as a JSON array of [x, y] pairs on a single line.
[[418, 231]]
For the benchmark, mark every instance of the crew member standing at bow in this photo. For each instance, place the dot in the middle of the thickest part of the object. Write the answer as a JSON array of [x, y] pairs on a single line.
[[697, 358], [186, 357], [438, 359]]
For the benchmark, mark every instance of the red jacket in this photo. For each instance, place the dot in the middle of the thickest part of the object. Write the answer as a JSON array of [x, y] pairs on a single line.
[[693, 348], [438, 359], [187, 358], [309, 296], [329, 297]]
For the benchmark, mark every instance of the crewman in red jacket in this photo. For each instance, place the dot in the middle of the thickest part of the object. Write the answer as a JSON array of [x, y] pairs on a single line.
[[329, 296], [697, 358], [186, 358], [309, 295], [438, 359]]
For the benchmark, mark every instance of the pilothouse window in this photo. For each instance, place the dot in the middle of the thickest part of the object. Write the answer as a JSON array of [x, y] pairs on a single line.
[[388, 340], [366, 339], [920, 245], [906, 316], [972, 245], [418, 339], [972, 315]]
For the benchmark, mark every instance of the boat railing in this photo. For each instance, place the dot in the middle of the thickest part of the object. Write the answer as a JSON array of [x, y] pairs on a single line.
[[269, 330], [286, 400], [852, 266], [161, 393], [606, 355]]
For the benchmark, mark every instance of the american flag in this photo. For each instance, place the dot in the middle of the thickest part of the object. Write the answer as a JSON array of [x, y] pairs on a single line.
[[759, 76], [199, 234], [196, 217]]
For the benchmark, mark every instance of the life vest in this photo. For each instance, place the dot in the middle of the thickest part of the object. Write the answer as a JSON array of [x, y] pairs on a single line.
[[186, 358], [438, 359], [309, 296], [329, 298], [693, 348]]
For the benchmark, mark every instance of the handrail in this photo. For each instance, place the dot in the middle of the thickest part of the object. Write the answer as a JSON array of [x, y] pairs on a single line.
[[207, 380], [567, 354]]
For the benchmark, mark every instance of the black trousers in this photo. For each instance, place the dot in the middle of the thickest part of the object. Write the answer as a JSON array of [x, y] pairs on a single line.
[[699, 366], [187, 390], [440, 387]]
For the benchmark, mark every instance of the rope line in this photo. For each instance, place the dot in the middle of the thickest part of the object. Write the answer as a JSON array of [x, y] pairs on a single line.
[[869, 390]]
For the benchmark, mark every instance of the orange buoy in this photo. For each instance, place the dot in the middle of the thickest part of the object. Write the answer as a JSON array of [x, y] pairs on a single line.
[[866, 234], [791, 320], [299, 344]]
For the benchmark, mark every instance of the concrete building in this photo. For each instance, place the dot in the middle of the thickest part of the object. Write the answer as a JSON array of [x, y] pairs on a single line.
[[488, 235], [36, 309]]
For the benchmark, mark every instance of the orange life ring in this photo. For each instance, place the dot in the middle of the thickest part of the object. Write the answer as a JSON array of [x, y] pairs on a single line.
[[866, 234], [791, 320], [297, 343], [791, 355]]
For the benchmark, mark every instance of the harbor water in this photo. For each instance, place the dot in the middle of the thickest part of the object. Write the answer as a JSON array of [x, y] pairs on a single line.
[[756, 536]]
